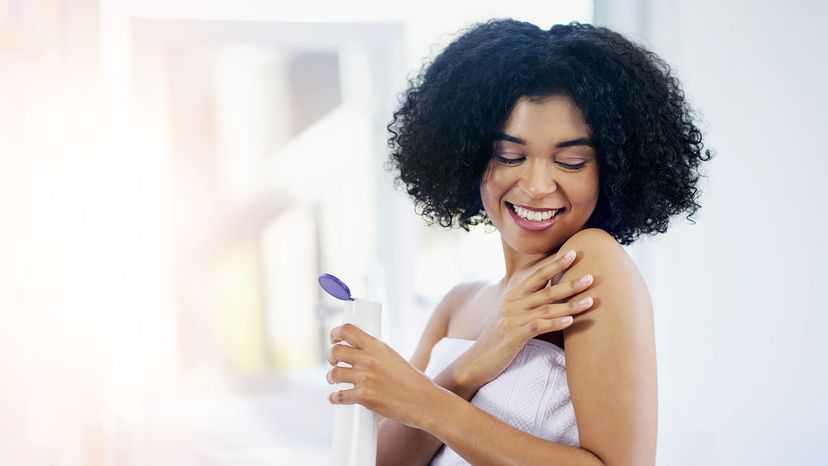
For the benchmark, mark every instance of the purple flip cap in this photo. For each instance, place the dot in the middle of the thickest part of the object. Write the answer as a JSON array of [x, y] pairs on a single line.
[[335, 287]]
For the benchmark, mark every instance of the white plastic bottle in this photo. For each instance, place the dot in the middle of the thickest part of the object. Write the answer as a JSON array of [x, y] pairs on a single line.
[[355, 427]]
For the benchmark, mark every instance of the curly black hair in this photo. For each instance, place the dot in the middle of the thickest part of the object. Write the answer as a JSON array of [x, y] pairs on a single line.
[[647, 145]]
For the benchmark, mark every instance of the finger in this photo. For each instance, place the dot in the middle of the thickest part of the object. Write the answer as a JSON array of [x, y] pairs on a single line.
[[343, 397], [352, 334], [551, 311], [539, 326], [541, 277], [339, 374], [342, 353], [557, 292]]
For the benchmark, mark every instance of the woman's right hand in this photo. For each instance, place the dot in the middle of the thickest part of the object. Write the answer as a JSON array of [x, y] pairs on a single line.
[[526, 311]]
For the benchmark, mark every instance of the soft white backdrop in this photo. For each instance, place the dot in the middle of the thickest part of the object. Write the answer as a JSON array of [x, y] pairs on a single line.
[[740, 308], [89, 320]]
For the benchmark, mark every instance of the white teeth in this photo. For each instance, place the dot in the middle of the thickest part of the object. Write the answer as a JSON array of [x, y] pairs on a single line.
[[534, 215]]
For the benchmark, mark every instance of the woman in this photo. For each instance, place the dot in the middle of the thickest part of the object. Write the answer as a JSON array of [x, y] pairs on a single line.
[[571, 142]]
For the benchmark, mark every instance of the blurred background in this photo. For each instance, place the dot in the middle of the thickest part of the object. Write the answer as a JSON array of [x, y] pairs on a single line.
[[175, 174]]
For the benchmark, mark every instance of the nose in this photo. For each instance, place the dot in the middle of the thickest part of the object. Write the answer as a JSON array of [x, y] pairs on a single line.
[[538, 180]]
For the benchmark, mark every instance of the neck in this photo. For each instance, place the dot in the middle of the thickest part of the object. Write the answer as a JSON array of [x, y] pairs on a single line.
[[519, 265]]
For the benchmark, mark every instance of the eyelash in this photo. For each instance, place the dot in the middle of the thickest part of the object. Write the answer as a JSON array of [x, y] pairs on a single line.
[[507, 161]]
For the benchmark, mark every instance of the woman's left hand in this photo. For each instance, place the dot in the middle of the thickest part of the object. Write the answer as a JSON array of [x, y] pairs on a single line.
[[383, 381]]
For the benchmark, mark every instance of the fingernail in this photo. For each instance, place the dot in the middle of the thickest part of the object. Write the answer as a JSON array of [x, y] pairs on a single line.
[[585, 279], [570, 255], [566, 320], [585, 302]]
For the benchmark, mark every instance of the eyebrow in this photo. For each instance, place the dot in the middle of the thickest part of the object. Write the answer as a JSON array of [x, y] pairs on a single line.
[[560, 145]]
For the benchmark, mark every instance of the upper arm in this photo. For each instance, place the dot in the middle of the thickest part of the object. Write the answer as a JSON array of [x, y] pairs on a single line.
[[437, 326], [610, 354]]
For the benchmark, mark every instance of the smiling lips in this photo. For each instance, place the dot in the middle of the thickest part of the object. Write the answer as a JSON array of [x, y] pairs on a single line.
[[533, 219]]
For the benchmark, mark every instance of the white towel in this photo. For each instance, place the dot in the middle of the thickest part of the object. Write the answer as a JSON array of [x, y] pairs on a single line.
[[531, 394]]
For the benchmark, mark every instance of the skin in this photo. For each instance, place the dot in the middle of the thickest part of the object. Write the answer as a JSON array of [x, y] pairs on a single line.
[[610, 346], [539, 174]]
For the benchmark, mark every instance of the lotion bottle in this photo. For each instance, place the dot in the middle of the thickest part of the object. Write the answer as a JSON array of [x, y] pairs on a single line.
[[355, 427]]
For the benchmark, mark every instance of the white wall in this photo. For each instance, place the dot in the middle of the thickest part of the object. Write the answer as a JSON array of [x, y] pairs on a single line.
[[738, 296]]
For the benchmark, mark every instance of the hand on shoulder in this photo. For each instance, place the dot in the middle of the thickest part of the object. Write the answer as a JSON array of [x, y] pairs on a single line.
[[601, 255]]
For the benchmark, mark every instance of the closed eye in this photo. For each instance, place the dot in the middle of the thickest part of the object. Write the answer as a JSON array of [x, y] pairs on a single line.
[[517, 160], [509, 161], [572, 166]]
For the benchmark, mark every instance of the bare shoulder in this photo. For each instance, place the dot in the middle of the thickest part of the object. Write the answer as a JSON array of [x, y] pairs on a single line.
[[595, 240], [610, 353], [622, 300], [599, 254], [437, 326], [464, 291]]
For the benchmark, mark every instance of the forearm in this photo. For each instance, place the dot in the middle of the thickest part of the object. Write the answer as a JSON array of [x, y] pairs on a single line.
[[483, 440], [400, 444]]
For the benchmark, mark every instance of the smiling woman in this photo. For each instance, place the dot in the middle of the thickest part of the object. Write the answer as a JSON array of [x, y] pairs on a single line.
[[543, 173], [571, 142]]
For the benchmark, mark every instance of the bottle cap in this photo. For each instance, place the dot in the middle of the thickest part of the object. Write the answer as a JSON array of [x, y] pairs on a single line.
[[335, 287]]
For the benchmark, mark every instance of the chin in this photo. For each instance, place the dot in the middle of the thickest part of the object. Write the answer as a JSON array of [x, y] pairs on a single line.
[[536, 247]]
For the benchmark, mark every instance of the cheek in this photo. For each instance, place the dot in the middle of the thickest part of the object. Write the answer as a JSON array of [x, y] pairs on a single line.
[[584, 193], [489, 186], [589, 191], [487, 195], [595, 185]]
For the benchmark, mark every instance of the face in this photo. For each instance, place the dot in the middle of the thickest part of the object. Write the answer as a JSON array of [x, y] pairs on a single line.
[[541, 185]]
